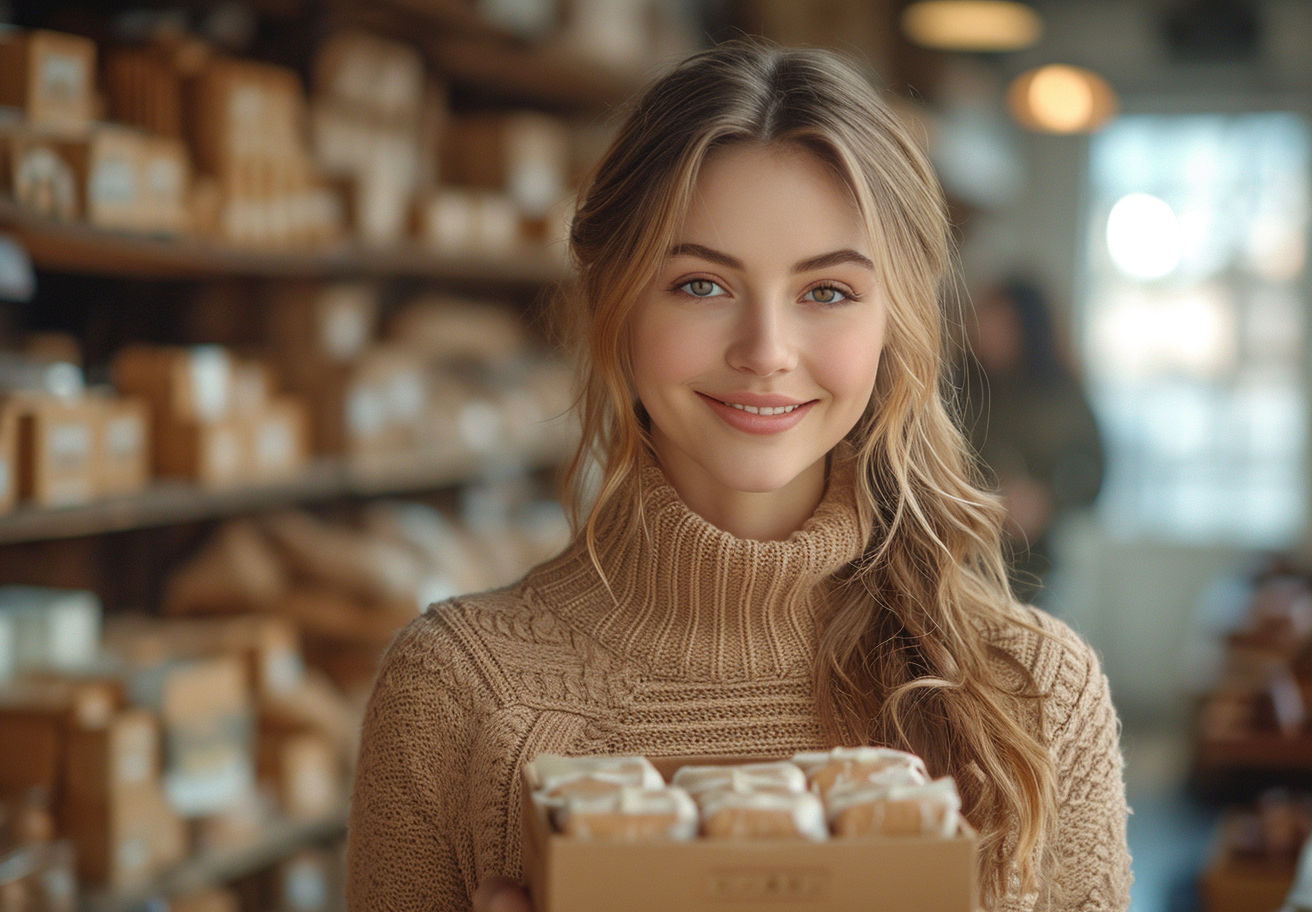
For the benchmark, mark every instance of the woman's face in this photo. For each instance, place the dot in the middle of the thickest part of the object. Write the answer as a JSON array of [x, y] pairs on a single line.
[[756, 346]]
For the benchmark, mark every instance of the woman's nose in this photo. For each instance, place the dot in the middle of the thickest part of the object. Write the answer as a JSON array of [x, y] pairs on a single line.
[[762, 344]]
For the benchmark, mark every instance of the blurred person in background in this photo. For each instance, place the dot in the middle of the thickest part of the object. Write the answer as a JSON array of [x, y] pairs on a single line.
[[1029, 422]]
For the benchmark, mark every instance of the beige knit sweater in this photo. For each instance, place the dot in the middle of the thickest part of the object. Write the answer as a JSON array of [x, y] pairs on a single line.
[[705, 647]]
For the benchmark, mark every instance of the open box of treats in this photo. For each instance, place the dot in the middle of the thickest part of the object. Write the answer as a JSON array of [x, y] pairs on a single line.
[[840, 831]]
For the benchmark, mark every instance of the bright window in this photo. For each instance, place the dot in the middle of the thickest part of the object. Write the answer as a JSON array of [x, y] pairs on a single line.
[[1194, 327]]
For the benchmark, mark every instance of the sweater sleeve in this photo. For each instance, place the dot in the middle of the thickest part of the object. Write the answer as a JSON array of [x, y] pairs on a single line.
[[1092, 856], [408, 840]]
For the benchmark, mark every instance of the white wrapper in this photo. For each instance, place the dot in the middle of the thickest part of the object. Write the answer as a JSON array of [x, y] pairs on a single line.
[[552, 771], [630, 801], [938, 796], [807, 811], [747, 777]]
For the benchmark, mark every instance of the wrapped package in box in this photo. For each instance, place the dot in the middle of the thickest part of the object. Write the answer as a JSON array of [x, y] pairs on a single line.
[[122, 445], [56, 449], [859, 874], [50, 76]]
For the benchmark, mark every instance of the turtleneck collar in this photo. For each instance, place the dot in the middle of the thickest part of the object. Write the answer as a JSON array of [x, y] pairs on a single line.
[[695, 602]]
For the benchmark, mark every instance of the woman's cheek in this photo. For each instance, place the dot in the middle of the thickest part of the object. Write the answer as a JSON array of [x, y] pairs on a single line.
[[847, 369]]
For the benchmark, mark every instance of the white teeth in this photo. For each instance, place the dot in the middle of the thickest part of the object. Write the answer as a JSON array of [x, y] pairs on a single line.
[[764, 410]]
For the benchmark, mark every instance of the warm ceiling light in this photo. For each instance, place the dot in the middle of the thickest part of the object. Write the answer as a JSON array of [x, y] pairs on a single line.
[[972, 25], [1061, 99]]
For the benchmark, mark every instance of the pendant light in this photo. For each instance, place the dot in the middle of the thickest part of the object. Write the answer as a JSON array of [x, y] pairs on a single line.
[[972, 25]]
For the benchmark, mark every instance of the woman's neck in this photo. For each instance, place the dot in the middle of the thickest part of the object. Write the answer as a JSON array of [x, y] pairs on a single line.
[[765, 516]]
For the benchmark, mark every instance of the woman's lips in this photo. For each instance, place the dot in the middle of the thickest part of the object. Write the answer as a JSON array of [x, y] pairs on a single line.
[[750, 423]]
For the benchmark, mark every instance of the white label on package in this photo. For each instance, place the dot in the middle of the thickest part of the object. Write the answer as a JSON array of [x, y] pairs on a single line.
[[211, 381], [132, 855], [276, 445], [114, 182], [134, 763], [74, 631], [69, 445], [123, 437], [63, 77], [365, 416], [164, 178]]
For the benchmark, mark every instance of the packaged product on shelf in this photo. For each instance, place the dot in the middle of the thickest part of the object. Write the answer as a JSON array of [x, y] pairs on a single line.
[[124, 841], [235, 826], [375, 406], [524, 154], [205, 707], [54, 629], [192, 383], [279, 440], [309, 881], [303, 771], [112, 759], [39, 878], [215, 899], [108, 165], [456, 220], [377, 78], [56, 449], [50, 76], [237, 570], [453, 329], [122, 445], [214, 454], [323, 322], [37, 172], [165, 186], [143, 88], [36, 719], [9, 470]]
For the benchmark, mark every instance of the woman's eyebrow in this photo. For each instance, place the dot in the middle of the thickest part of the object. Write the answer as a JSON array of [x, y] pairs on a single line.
[[823, 261]]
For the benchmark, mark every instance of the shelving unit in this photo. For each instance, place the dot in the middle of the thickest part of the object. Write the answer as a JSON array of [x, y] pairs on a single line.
[[278, 840], [77, 247], [169, 502]]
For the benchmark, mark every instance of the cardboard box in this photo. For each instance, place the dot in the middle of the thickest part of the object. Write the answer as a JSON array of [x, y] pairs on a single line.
[[214, 454], [125, 841], [839, 875], [303, 770], [279, 439], [50, 76], [144, 89], [122, 445], [37, 173], [56, 450], [112, 762], [334, 322], [215, 899], [39, 726], [185, 383], [206, 711], [108, 166], [165, 186], [54, 629], [8, 456]]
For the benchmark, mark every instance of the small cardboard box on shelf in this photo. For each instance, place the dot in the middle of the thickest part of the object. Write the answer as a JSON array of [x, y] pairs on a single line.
[[165, 186], [122, 445], [303, 770], [868, 874], [8, 456], [192, 383], [125, 840], [279, 436], [50, 76], [114, 759], [213, 454], [108, 165], [56, 451], [37, 173]]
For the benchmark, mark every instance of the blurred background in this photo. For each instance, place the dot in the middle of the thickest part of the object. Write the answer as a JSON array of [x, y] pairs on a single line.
[[275, 374]]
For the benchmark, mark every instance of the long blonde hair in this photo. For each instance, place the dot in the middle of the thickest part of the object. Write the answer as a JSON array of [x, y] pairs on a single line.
[[903, 660]]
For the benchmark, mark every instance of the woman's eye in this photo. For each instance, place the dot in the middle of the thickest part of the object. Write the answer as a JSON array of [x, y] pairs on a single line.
[[826, 294], [702, 288]]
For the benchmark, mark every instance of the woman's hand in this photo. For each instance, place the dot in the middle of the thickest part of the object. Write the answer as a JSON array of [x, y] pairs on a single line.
[[501, 894]]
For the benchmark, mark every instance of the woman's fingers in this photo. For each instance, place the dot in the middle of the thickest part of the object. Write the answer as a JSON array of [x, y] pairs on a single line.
[[501, 894]]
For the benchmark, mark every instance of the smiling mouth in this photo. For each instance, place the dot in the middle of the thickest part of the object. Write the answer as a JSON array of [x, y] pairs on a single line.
[[764, 410]]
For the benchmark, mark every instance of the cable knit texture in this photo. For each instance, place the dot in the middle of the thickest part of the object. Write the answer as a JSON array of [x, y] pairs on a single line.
[[695, 642]]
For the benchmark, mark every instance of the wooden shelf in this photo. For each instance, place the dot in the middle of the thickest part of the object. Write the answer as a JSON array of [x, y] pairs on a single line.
[[1256, 751], [169, 502], [77, 247], [527, 75], [278, 840]]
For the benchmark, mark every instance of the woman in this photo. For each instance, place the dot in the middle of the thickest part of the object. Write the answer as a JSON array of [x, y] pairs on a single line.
[[785, 551]]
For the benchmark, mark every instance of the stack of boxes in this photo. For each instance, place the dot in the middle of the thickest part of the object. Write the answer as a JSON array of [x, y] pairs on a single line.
[[63, 164], [213, 418], [171, 738]]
